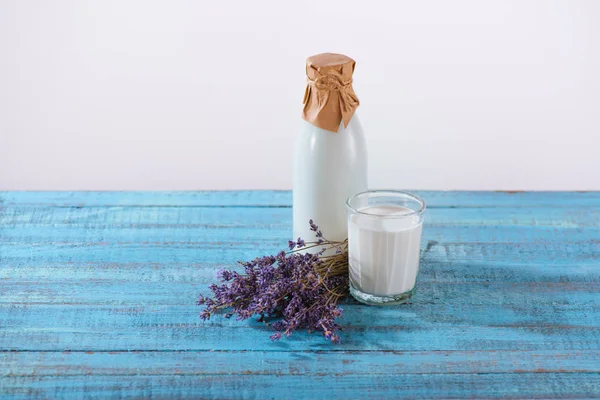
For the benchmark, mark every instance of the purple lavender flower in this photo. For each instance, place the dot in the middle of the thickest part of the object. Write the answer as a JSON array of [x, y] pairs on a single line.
[[291, 290], [225, 275], [205, 314]]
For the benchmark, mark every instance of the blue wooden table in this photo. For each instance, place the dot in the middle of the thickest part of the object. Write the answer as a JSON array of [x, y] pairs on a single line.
[[98, 291]]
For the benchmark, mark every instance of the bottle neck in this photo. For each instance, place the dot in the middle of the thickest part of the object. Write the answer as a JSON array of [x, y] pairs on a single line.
[[329, 101]]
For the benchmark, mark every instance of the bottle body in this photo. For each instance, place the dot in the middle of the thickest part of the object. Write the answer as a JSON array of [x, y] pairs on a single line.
[[328, 167]]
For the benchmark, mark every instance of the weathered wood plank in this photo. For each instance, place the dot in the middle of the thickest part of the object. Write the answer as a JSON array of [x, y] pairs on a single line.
[[535, 302], [553, 261], [165, 327], [275, 218], [455, 386], [175, 288], [277, 236], [246, 198], [284, 198], [306, 363], [172, 271]]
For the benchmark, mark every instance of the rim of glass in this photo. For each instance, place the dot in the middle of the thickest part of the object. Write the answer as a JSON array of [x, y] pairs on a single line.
[[398, 193]]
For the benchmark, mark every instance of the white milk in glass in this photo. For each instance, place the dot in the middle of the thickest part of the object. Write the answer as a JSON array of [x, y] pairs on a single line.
[[384, 252]]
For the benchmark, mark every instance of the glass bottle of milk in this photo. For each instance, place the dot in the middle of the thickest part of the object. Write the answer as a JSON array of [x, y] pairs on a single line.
[[330, 157]]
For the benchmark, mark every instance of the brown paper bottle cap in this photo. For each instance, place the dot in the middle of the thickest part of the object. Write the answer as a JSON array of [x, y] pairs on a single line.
[[329, 98]]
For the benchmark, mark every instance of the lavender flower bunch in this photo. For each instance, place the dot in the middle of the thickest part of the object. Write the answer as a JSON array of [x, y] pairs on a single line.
[[288, 291]]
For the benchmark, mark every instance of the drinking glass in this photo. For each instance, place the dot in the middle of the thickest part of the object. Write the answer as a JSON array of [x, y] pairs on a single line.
[[384, 241]]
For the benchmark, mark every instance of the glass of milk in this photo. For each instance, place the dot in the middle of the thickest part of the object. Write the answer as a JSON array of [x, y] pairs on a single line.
[[384, 241]]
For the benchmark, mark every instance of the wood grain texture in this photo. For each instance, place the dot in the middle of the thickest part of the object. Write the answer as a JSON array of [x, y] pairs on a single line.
[[97, 293], [281, 198]]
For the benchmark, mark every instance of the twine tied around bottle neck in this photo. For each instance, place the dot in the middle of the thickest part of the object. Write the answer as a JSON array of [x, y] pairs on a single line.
[[329, 98], [333, 81]]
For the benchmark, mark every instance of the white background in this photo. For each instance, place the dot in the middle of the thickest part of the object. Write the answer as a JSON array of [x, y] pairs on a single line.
[[207, 94]]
